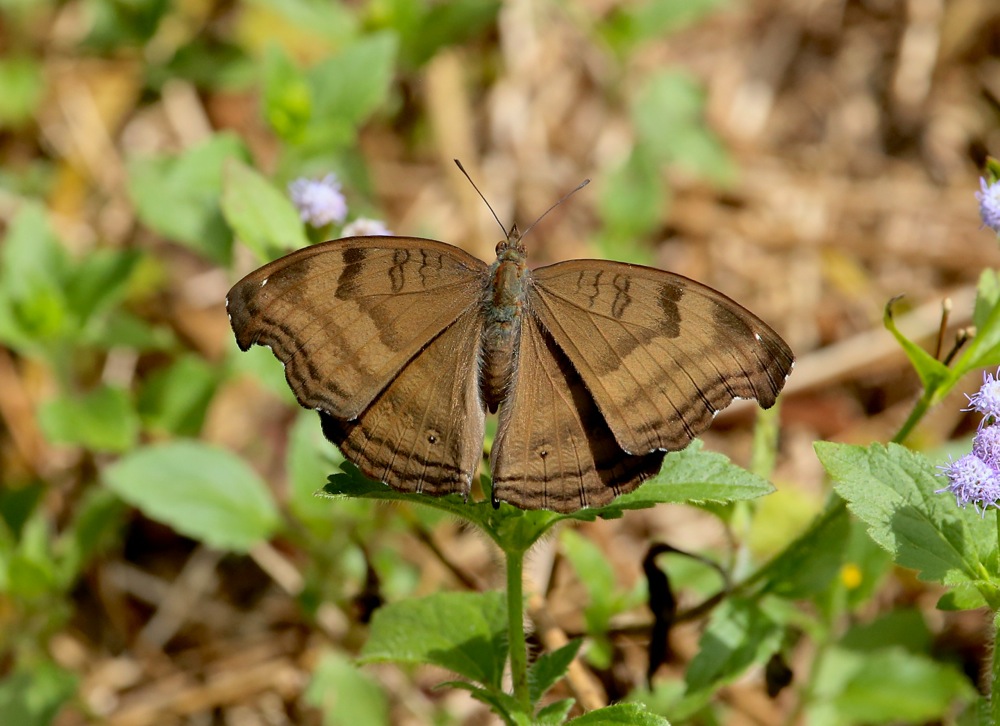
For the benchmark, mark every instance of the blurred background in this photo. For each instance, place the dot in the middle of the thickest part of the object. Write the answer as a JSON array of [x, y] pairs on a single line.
[[810, 158]]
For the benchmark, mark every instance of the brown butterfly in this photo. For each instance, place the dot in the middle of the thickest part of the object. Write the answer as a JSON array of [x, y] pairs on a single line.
[[597, 368]]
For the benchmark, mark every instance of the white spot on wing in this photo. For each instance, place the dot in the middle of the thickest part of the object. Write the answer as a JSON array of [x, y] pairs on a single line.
[[264, 282]]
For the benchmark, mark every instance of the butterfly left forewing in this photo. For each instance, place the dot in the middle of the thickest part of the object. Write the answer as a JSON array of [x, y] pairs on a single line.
[[345, 316], [553, 448], [661, 354]]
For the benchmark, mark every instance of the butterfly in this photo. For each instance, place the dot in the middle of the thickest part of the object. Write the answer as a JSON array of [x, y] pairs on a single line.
[[597, 368]]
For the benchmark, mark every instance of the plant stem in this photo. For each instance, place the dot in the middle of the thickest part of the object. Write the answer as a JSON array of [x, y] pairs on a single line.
[[515, 628], [915, 415]]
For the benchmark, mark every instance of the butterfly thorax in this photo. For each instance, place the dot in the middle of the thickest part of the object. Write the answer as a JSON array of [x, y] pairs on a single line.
[[503, 302]]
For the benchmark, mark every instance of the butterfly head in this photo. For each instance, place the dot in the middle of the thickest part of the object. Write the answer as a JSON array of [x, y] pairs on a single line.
[[511, 248]]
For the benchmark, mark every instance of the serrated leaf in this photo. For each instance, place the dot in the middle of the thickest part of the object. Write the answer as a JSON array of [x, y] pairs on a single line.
[[548, 668], [502, 704], [262, 217], [100, 420], [555, 713], [695, 475], [893, 490], [203, 492], [628, 714], [739, 634], [463, 632]]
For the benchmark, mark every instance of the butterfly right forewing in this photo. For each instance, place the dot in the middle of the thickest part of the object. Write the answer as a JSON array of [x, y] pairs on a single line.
[[660, 353]]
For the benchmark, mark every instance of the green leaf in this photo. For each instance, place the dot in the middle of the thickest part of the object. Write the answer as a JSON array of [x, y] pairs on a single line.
[[695, 475], [310, 457], [178, 196], [555, 713], [23, 84], [175, 399], [463, 632], [287, 96], [344, 694], [34, 268], [931, 371], [633, 199], [33, 697], [96, 527], [262, 217], [441, 25], [887, 686], [628, 714], [635, 22], [893, 491], [203, 492], [669, 117], [808, 565], [502, 704], [987, 296], [984, 350], [347, 88], [100, 420], [739, 634], [100, 281], [905, 629], [550, 667]]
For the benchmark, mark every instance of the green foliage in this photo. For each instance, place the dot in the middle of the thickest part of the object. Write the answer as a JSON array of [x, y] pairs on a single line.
[[463, 632], [344, 694], [893, 491], [76, 311], [103, 419], [179, 196], [33, 697], [23, 85], [203, 492], [261, 216], [633, 23]]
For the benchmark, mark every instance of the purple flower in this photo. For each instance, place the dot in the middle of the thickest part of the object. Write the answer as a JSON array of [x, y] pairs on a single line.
[[319, 201], [986, 446], [989, 204], [364, 227], [987, 399], [972, 481]]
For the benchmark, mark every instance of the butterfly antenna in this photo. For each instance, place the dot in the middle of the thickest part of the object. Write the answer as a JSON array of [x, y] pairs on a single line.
[[462, 169], [566, 196]]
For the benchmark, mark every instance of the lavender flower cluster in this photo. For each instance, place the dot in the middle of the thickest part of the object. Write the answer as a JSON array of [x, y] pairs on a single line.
[[989, 203], [320, 202], [975, 478]]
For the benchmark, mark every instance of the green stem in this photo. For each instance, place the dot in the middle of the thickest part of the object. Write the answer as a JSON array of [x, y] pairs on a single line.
[[515, 628], [915, 415]]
